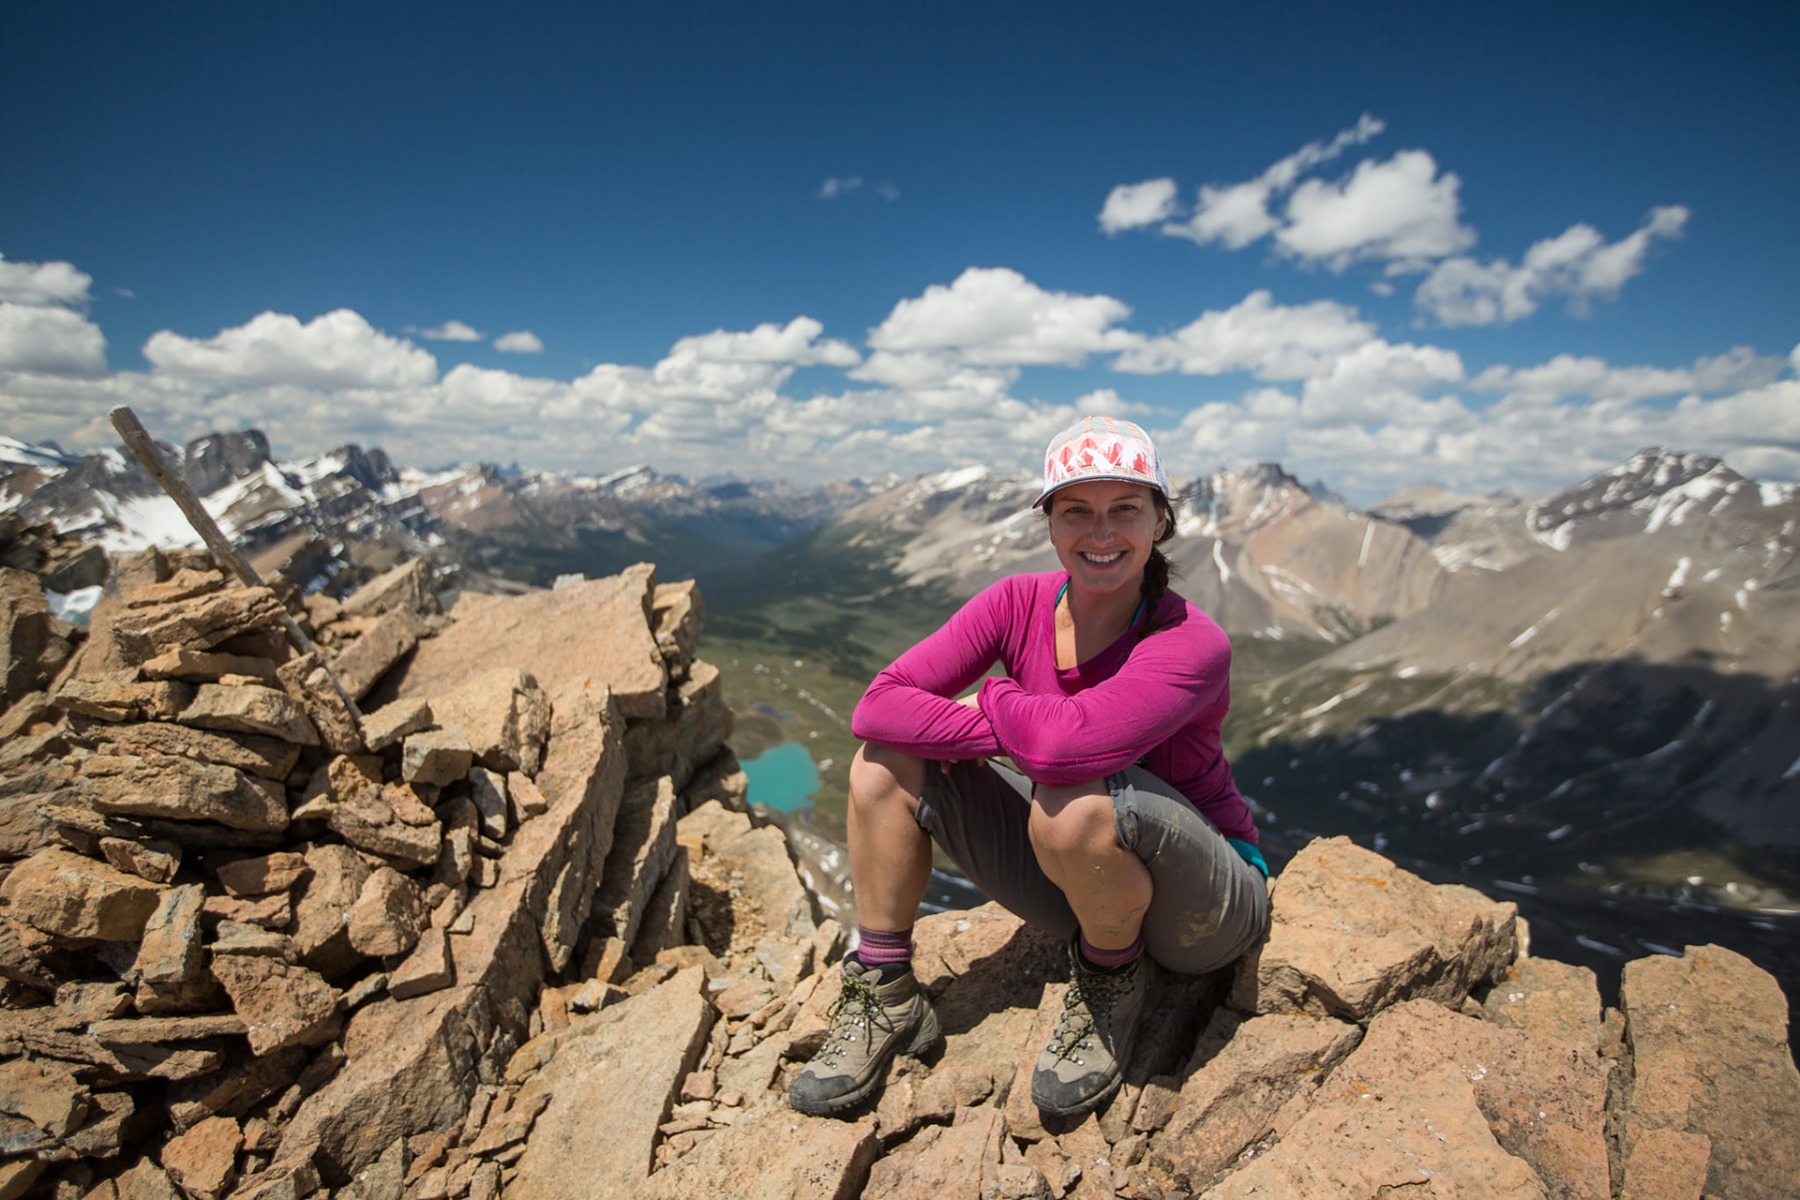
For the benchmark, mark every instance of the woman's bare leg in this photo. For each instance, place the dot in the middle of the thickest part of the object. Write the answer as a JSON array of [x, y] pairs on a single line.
[[1109, 888], [890, 856]]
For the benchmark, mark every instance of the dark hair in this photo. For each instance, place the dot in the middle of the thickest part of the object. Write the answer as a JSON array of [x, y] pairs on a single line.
[[1158, 569]]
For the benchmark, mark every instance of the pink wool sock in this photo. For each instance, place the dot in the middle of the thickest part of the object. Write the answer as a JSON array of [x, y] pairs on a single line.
[[1111, 960], [875, 948]]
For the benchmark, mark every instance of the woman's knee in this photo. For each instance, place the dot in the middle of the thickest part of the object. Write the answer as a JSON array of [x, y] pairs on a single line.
[[1073, 818], [881, 776]]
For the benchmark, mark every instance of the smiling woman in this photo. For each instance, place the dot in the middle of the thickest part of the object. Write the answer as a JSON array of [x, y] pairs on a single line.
[[1116, 824]]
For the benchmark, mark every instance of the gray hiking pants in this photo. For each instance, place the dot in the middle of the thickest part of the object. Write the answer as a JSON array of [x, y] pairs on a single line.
[[1207, 906]]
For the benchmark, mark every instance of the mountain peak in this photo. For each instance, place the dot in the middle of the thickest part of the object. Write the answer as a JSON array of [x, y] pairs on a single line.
[[1653, 488]]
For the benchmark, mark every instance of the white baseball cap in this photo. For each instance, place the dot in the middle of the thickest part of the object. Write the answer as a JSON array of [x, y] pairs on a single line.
[[1101, 448]]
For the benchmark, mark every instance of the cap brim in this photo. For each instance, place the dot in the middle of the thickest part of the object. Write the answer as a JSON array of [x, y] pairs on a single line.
[[1119, 478]]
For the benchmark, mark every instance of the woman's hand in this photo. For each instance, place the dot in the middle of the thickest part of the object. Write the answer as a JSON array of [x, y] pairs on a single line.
[[972, 700]]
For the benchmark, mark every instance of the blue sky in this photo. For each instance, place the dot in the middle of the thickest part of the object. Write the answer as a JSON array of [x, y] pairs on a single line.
[[1498, 248]]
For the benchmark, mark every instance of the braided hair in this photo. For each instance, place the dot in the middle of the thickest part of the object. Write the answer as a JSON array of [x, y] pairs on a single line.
[[1158, 569]]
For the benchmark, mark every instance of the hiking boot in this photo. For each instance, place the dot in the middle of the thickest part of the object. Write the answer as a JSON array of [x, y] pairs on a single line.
[[1085, 1060], [870, 1022]]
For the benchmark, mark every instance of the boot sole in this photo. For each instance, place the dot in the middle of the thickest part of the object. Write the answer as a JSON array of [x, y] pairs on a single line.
[[1087, 1105]]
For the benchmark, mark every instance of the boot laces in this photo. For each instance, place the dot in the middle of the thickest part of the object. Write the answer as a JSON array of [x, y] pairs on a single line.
[[857, 1008], [1088, 1002]]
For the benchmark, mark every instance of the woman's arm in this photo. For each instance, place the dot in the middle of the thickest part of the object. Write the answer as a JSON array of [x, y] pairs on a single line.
[[911, 704], [1167, 679]]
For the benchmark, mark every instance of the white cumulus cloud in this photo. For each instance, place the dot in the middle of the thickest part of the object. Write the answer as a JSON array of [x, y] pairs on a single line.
[[51, 341], [520, 341], [38, 284], [1269, 340], [1237, 214], [1131, 205], [1401, 210], [1577, 263], [449, 331], [338, 349], [994, 316]]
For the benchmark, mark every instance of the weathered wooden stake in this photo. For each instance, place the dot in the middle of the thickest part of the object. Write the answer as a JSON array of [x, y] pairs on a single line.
[[137, 441]]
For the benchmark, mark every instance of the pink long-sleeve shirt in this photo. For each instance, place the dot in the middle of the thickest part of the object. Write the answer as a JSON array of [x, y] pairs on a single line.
[[1157, 701]]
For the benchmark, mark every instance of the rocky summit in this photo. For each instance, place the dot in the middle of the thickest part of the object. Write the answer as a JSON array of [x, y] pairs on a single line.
[[471, 904]]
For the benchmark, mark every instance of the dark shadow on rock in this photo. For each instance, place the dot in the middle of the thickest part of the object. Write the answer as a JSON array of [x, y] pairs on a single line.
[[1011, 976]]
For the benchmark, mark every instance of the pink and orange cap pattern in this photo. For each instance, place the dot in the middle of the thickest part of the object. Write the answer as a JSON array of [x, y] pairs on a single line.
[[1101, 448]]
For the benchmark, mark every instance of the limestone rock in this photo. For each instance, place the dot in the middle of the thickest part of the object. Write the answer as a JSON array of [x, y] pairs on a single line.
[[1708, 1034], [762, 853], [145, 1180], [194, 622], [24, 634], [643, 847], [1544, 1101], [1428, 1137], [361, 809], [203, 1161], [250, 709], [309, 682], [74, 896], [573, 640], [282, 1004], [388, 915], [690, 736], [236, 1089], [266, 757], [388, 724], [391, 638], [42, 1092], [153, 859], [1667, 1165], [269, 912], [665, 913], [407, 586], [321, 926], [583, 779], [526, 797], [626, 1060], [1353, 933], [1243, 1073], [169, 954], [504, 715], [773, 1154], [929, 1167], [106, 698], [436, 757], [427, 969], [263, 874], [487, 791], [181, 789], [677, 614], [410, 1062], [720, 779], [206, 666]]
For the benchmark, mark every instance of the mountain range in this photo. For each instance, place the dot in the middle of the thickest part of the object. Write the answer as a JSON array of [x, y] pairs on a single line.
[[1587, 697]]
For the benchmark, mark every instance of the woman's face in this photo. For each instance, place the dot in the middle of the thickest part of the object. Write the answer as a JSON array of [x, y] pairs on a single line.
[[1103, 532]]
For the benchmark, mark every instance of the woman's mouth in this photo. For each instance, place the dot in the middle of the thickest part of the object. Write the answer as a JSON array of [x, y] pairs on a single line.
[[1102, 560]]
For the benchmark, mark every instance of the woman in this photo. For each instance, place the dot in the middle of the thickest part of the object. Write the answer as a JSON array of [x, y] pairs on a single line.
[[1120, 828]]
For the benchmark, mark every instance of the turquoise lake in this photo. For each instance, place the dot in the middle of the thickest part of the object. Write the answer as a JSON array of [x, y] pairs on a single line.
[[783, 777]]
